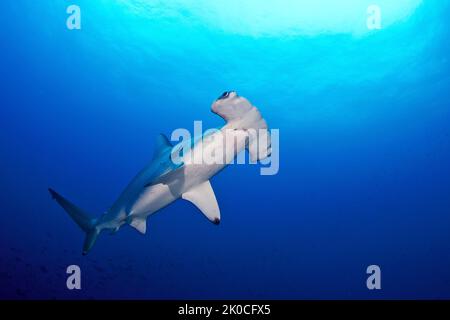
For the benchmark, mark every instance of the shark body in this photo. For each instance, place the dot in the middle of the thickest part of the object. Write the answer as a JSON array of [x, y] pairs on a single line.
[[162, 181]]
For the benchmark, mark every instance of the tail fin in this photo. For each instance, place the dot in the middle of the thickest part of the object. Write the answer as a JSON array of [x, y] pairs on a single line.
[[82, 219]]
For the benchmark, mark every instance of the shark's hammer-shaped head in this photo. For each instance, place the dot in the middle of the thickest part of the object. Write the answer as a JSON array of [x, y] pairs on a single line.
[[231, 106], [240, 114]]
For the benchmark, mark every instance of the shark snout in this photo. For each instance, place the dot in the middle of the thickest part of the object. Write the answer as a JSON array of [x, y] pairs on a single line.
[[230, 105], [225, 99]]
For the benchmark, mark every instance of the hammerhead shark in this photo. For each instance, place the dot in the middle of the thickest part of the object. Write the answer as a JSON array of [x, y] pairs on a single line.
[[173, 173]]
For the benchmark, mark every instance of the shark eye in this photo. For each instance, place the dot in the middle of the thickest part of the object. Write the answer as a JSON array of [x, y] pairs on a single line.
[[224, 95]]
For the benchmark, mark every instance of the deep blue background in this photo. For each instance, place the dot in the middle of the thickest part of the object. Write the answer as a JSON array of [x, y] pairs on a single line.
[[364, 178]]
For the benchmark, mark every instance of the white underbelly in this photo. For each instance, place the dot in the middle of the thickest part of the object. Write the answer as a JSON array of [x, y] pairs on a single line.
[[152, 199], [157, 196]]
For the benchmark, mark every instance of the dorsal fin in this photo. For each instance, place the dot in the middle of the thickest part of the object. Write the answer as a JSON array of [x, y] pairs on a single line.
[[161, 145]]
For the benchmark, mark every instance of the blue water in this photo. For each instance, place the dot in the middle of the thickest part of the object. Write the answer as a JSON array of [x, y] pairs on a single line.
[[364, 152]]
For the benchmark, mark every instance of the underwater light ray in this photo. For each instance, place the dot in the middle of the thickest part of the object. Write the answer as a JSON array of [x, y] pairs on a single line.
[[277, 18]]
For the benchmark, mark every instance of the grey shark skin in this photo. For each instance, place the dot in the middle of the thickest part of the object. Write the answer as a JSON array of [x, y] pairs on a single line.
[[162, 181]]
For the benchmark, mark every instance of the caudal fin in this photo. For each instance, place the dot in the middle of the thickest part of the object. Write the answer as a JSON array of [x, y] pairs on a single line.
[[81, 218]]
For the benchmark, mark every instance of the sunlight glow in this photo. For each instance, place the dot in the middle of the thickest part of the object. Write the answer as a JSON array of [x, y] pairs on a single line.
[[276, 17]]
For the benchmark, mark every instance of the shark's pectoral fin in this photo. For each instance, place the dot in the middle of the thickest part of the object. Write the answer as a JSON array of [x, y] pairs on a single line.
[[140, 224], [203, 197]]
